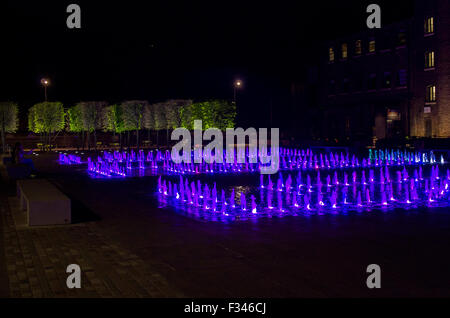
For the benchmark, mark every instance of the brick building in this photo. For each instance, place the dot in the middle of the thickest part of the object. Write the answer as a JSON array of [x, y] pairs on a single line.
[[390, 82]]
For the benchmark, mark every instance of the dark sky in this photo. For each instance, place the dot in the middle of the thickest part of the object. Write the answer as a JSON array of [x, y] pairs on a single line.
[[157, 50]]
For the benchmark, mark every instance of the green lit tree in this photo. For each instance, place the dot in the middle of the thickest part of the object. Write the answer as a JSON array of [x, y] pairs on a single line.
[[173, 114], [75, 122], [91, 117], [46, 119], [213, 114], [113, 120], [149, 119], [8, 120], [223, 114], [160, 118], [133, 112]]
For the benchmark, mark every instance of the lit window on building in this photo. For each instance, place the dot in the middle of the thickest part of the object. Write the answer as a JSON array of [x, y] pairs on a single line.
[[431, 94], [372, 83], [429, 59], [372, 46], [331, 54], [344, 50], [401, 38], [358, 47], [402, 78], [429, 25], [387, 80], [393, 114]]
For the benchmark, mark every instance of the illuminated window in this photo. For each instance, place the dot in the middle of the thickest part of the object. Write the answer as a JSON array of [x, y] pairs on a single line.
[[331, 54], [372, 46], [358, 47], [344, 50], [431, 94], [429, 25], [429, 59]]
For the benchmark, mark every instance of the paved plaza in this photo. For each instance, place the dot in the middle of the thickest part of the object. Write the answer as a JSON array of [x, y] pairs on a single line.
[[127, 247]]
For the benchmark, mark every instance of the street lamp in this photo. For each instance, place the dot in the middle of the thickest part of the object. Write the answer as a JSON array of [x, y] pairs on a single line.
[[236, 86], [45, 82]]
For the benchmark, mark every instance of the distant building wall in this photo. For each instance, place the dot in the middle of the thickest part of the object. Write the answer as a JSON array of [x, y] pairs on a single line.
[[394, 81]]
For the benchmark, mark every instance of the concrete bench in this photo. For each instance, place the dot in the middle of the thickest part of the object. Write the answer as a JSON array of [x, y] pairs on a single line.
[[45, 204]]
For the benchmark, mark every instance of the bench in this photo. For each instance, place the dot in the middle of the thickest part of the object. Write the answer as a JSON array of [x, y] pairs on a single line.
[[45, 204]]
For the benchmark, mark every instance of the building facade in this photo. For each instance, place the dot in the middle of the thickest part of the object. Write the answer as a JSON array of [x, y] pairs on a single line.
[[390, 82]]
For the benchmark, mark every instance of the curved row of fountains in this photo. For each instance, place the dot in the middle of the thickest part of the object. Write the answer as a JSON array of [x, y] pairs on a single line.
[[334, 194], [121, 163], [69, 159]]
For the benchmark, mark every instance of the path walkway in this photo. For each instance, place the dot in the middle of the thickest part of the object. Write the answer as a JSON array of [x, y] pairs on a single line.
[[35, 260]]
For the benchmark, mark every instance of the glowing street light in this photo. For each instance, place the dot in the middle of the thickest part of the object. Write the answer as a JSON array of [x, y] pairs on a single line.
[[45, 82], [237, 85]]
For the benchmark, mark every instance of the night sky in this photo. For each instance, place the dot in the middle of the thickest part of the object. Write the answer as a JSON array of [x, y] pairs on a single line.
[[156, 50]]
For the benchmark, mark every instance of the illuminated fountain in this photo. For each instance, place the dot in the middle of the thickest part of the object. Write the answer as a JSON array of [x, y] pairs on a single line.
[[70, 159], [153, 162], [335, 195]]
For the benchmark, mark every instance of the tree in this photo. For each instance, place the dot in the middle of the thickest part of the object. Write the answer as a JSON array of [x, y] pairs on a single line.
[[75, 122], [91, 117], [173, 114], [46, 118], [213, 114], [31, 124], [74, 119], [223, 114], [8, 120], [133, 116], [149, 118], [160, 118], [113, 120]]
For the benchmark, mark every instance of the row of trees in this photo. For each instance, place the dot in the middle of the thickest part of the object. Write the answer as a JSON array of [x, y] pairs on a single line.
[[130, 116], [87, 118]]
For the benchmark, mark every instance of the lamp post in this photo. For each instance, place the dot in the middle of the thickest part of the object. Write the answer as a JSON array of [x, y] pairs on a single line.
[[236, 86], [45, 82]]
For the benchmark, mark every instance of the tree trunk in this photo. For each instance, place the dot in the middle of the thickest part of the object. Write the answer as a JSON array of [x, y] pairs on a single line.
[[157, 137], [95, 140], [89, 140], [137, 139], [167, 137], [41, 140]]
